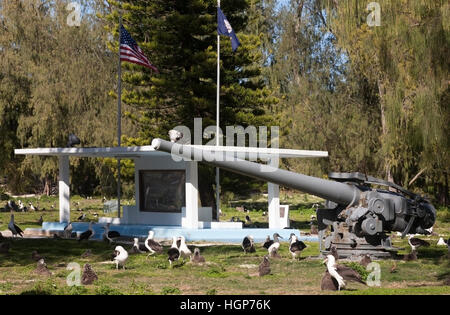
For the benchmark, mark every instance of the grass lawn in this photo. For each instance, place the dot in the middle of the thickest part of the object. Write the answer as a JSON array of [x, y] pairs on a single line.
[[227, 271]]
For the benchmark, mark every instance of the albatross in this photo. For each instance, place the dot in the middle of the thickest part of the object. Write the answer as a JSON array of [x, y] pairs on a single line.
[[248, 245], [109, 235], [152, 245], [184, 250], [173, 252], [121, 256], [197, 258], [87, 234], [14, 228], [267, 242], [68, 230], [273, 249], [296, 246], [415, 243], [264, 267], [337, 274], [136, 249]]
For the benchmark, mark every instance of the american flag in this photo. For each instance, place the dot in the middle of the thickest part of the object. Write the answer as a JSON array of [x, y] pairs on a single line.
[[130, 51]]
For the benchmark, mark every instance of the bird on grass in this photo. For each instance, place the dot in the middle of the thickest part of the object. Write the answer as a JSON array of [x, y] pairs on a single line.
[[40, 221], [441, 242], [184, 250], [86, 235], [32, 208], [109, 235], [68, 230], [86, 254], [152, 245], [173, 252], [335, 275], [120, 256], [197, 258], [248, 244], [267, 242], [89, 275], [415, 243], [82, 217], [411, 256], [248, 222], [296, 246], [264, 267], [14, 228], [136, 249], [393, 268], [41, 268], [273, 249]]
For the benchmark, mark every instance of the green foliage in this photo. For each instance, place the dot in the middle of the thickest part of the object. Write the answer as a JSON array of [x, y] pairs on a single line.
[[211, 292], [170, 290], [104, 289], [358, 268]]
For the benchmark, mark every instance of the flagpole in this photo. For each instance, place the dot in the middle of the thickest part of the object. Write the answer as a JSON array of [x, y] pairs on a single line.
[[119, 122], [217, 122]]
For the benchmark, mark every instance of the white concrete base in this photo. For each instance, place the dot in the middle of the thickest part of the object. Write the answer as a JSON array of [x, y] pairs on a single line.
[[204, 215], [104, 220]]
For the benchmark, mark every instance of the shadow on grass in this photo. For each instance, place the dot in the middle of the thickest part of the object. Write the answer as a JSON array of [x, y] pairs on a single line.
[[53, 251]]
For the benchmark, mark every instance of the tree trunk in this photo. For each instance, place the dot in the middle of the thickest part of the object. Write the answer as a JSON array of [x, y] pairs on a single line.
[[382, 93]]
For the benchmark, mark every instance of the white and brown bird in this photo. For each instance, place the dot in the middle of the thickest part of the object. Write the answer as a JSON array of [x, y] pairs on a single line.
[[41, 268], [339, 273], [86, 235], [197, 258], [296, 246], [415, 243], [248, 244], [89, 275], [121, 256], [152, 245], [136, 248], [273, 249], [267, 242], [264, 267], [175, 135], [184, 250], [14, 228], [109, 235], [173, 252], [411, 256], [68, 230]]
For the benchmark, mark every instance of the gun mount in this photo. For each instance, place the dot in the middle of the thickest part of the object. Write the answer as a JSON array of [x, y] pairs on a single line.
[[361, 217]]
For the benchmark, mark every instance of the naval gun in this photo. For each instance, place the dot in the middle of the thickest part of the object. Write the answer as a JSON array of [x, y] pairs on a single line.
[[360, 217]]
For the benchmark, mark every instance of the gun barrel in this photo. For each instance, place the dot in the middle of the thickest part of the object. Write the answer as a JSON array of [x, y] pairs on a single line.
[[339, 193]]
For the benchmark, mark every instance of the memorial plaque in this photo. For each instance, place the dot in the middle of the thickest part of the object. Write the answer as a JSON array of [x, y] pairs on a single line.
[[162, 190]]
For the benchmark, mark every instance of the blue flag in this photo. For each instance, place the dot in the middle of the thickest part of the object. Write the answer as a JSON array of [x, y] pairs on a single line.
[[224, 28]]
